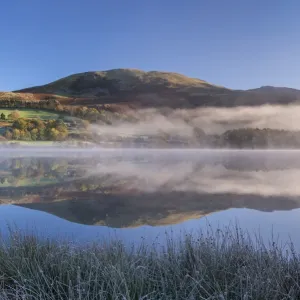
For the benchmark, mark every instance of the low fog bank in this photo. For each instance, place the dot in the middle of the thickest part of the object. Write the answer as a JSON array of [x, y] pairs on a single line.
[[188, 176], [183, 122], [260, 127]]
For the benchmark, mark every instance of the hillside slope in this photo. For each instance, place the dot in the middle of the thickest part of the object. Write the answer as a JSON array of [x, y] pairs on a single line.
[[116, 81], [155, 89]]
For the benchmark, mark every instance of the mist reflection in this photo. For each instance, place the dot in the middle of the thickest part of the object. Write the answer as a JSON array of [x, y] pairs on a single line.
[[127, 188]]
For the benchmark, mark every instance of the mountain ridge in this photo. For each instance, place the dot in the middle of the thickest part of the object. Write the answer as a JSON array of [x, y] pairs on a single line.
[[129, 76], [141, 89]]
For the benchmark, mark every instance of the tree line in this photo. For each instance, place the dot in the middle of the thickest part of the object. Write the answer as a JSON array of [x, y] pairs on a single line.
[[236, 138], [258, 138]]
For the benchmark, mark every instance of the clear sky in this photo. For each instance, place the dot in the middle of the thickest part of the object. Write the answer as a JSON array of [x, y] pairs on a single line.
[[236, 43]]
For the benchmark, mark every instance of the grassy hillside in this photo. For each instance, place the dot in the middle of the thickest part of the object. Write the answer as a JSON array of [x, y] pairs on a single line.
[[135, 88], [118, 80], [130, 87]]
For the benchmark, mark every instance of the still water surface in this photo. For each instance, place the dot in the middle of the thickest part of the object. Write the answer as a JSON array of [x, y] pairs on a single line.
[[138, 195]]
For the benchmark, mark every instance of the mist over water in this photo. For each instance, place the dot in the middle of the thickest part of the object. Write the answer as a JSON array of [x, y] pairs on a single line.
[[260, 172], [188, 177], [134, 188], [211, 120]]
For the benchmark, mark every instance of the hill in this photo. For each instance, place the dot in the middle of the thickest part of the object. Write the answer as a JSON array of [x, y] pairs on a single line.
[[118, 97], [130, 86], [155, 89], [113, 82], [136, 88]]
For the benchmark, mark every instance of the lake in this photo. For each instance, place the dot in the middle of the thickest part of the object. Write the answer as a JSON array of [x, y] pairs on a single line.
[[86, 195]]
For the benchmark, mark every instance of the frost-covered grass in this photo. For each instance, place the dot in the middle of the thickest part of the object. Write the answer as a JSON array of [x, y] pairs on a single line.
[[226, 264]]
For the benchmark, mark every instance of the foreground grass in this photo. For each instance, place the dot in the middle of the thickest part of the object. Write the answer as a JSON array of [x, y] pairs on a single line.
[[221, 265]]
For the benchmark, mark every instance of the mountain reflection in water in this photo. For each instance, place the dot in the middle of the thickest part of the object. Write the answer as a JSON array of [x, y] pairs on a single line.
[[131, 189]]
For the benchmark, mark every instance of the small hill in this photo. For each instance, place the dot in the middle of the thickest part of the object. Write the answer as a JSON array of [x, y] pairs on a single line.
[[273, 95]]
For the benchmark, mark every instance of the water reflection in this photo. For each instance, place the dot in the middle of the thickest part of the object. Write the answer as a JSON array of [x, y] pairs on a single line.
[[138, 189]]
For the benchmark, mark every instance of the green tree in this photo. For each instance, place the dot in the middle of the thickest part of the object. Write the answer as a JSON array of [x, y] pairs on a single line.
[[3, 117]]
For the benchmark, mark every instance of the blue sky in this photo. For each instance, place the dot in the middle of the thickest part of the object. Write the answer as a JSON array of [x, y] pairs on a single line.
[[236, 43]]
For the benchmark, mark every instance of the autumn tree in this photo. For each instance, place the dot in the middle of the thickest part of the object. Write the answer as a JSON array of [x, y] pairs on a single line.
[[16, 134], [35, 129], [14, 115], [20, 124]]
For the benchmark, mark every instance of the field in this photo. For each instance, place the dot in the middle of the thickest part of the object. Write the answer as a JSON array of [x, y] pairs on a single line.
[[31, 113]]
